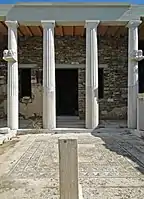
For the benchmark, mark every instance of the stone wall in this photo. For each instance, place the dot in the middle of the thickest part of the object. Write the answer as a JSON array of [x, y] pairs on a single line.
[[68, 50], [3, 81], [72, 50], [113, 51]]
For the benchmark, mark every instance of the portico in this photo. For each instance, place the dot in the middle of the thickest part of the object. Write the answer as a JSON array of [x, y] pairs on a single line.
[[49, 100], [91, 28]]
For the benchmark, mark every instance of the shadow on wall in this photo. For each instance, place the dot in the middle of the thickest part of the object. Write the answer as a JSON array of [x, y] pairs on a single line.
[[124, 144]]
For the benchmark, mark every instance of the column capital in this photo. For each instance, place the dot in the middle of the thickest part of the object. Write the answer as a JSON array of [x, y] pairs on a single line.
[[12, 24], [133, 23], [92, 23], [48, 23]]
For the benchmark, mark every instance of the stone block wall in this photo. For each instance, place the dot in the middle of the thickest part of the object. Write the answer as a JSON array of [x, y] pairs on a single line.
[[3, 80], [72, 50], [114, 52]]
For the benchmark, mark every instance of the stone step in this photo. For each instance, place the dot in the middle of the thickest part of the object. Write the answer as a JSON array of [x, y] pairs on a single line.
[[6, 134], [54, 131], [4, 130]]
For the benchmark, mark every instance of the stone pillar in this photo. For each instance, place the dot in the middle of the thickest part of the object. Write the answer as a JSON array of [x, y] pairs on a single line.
[[49, 101], [132, 73], [92, 107], [12, 84]]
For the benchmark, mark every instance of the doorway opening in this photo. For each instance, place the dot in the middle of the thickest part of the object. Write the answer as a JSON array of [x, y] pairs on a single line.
[[67, 92], [25, 82]]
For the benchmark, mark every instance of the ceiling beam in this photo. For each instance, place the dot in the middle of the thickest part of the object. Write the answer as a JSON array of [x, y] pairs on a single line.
[[83, 32], [61, 30], [3, 23], [41, 29], [115, 35], [112, 30], [122, 31], [102, 30], [68, 30], [73, 29], [19, 31], [36, 31], [115, 29], [29, 30], [3, 27], [6, 28]]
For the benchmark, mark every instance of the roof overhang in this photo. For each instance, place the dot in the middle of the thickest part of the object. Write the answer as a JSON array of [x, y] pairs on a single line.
[[64, 13], [4, 9], [70, 17], [77, 4]]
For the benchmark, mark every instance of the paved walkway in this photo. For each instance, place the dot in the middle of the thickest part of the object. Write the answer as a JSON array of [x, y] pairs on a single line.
[[111, 166]]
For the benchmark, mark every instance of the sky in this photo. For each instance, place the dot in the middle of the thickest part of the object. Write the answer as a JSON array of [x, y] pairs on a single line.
[[125, 1]]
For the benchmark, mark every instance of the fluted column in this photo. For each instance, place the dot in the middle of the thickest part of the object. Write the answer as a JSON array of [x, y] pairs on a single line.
[[92, 107], [49, 101], [132, 73], [12, 83]]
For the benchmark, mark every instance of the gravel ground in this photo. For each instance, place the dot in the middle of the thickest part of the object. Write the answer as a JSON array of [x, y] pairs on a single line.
[[111, 166]]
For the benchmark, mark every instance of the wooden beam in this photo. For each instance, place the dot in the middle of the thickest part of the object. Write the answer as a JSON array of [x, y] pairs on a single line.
[[83, 32], [107, 30], [19, 31], [3, 23], [68, 30], [122, 31], [29, 30], [112, 30], [115, 35], [41, 29], [61, 30], [79, 30], [102, 30], [125, 31], [3, 27], [73, 30], [35, 31]]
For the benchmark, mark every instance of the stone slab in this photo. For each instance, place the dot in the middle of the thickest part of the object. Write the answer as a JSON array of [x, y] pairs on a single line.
[[6, 135]]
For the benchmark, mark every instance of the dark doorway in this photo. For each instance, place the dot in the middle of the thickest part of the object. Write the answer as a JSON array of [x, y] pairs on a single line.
[[67, 92], [24, 82], [141, 69], [100, 83]]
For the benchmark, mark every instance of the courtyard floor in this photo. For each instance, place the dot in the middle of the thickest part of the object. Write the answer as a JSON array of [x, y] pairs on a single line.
[[111, 166]]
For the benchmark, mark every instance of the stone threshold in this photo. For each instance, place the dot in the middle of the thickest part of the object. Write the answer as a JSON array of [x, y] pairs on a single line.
[[53, 131], [6, 134]]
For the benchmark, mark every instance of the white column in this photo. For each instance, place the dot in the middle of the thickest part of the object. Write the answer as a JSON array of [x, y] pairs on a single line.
[[12, 84], [92, 107], [132, 73], [49, 102]]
